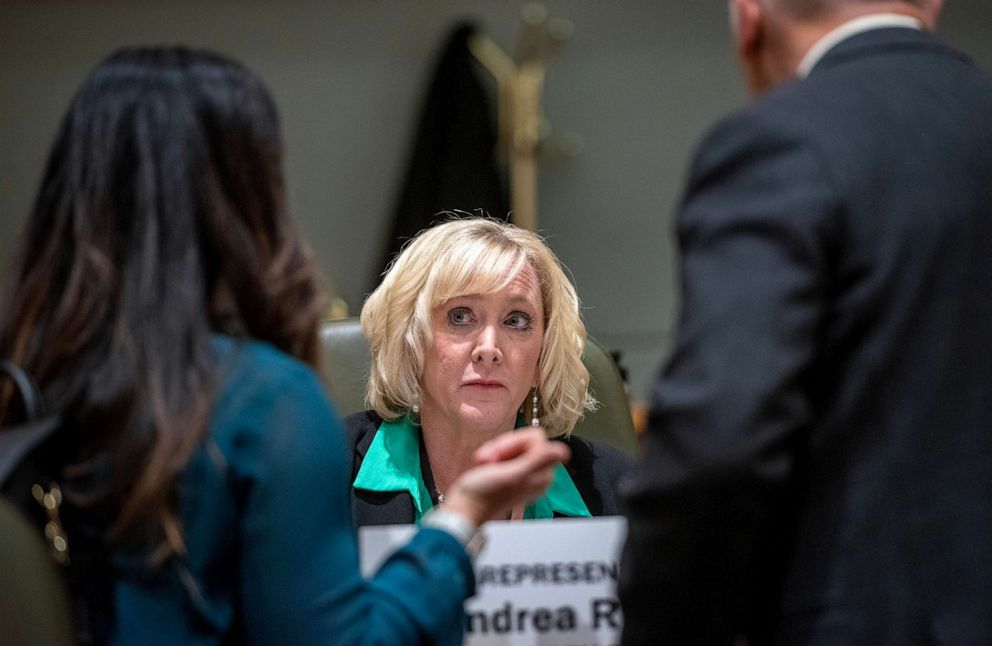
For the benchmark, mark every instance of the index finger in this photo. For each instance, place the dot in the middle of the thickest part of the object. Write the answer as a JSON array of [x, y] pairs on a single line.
[[509, 445]]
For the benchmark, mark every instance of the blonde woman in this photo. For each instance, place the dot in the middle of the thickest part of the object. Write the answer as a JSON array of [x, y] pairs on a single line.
[[474, 331]]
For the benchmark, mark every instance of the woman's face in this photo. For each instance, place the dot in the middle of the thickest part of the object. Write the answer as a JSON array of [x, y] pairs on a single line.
[[482, 360]]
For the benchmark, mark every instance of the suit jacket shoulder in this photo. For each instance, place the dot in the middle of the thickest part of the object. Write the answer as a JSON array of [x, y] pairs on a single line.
[[359, 429], [598, 472]]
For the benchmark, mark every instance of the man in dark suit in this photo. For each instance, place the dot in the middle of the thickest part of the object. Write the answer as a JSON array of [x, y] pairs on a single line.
[[818, 466]]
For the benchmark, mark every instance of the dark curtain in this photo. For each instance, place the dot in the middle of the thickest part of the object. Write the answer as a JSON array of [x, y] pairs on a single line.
[[452, 165]]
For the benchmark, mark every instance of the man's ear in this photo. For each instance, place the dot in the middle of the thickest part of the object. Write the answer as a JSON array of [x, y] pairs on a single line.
[[931, 13], [746, 20]]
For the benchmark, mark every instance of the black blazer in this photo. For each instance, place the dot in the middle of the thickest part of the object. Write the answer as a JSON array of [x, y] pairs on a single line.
[[596, 470], [818, 464]]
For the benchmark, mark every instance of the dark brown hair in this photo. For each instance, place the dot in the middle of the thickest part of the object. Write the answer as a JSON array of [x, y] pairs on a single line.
[[161, 219]]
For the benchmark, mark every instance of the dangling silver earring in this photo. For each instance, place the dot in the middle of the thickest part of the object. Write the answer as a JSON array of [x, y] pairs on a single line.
[[534, 419]]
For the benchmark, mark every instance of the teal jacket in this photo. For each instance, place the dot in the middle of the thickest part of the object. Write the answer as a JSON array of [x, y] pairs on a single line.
[[271, 553]]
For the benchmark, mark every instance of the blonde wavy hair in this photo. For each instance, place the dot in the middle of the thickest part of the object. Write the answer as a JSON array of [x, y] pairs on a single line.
[[472, 256]]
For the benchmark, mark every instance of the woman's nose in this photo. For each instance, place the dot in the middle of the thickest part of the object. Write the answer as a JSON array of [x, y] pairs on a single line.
[[486, 348]]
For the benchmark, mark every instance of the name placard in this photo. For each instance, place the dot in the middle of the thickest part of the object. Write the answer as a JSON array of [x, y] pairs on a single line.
[[540, 582]]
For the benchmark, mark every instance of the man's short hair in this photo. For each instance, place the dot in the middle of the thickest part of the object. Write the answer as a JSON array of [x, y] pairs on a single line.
[[472, 256]]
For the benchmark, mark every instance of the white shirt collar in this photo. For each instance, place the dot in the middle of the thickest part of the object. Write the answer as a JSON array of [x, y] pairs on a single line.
[[848, 29]]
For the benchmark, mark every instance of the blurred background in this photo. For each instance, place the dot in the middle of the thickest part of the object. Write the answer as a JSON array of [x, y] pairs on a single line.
[[627, 96]]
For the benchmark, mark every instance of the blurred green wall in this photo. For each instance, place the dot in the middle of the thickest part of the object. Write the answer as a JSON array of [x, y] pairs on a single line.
[[639, 82]]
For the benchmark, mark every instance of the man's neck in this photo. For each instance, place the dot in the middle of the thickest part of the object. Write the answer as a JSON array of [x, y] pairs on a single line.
[[803, 36], [848, 29]]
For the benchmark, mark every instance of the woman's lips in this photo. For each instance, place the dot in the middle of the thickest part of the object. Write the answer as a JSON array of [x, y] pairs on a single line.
[[484, 384]]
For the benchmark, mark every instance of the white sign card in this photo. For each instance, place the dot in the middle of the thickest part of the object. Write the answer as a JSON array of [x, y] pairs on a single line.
[[538, 583]]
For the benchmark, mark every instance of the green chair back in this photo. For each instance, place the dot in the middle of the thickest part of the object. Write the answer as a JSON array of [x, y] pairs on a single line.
[[610, 423], [345, 363]]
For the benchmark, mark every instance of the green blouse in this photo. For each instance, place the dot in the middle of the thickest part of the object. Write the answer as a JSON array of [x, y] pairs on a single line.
[[393, 464]]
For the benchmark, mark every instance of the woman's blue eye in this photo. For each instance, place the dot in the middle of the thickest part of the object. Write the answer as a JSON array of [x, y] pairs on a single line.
[[519, 321], [460, 316]]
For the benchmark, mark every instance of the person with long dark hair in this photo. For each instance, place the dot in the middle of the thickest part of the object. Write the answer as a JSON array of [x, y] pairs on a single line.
[[168, 310]]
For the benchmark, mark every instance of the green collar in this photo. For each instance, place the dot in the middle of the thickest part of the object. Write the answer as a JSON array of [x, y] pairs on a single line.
[[392, 463]]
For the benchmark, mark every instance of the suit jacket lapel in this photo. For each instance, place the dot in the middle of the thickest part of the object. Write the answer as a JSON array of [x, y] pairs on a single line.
[[378, 507]]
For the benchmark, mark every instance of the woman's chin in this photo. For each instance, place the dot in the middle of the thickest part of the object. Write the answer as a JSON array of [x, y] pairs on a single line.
[[486, 415]]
